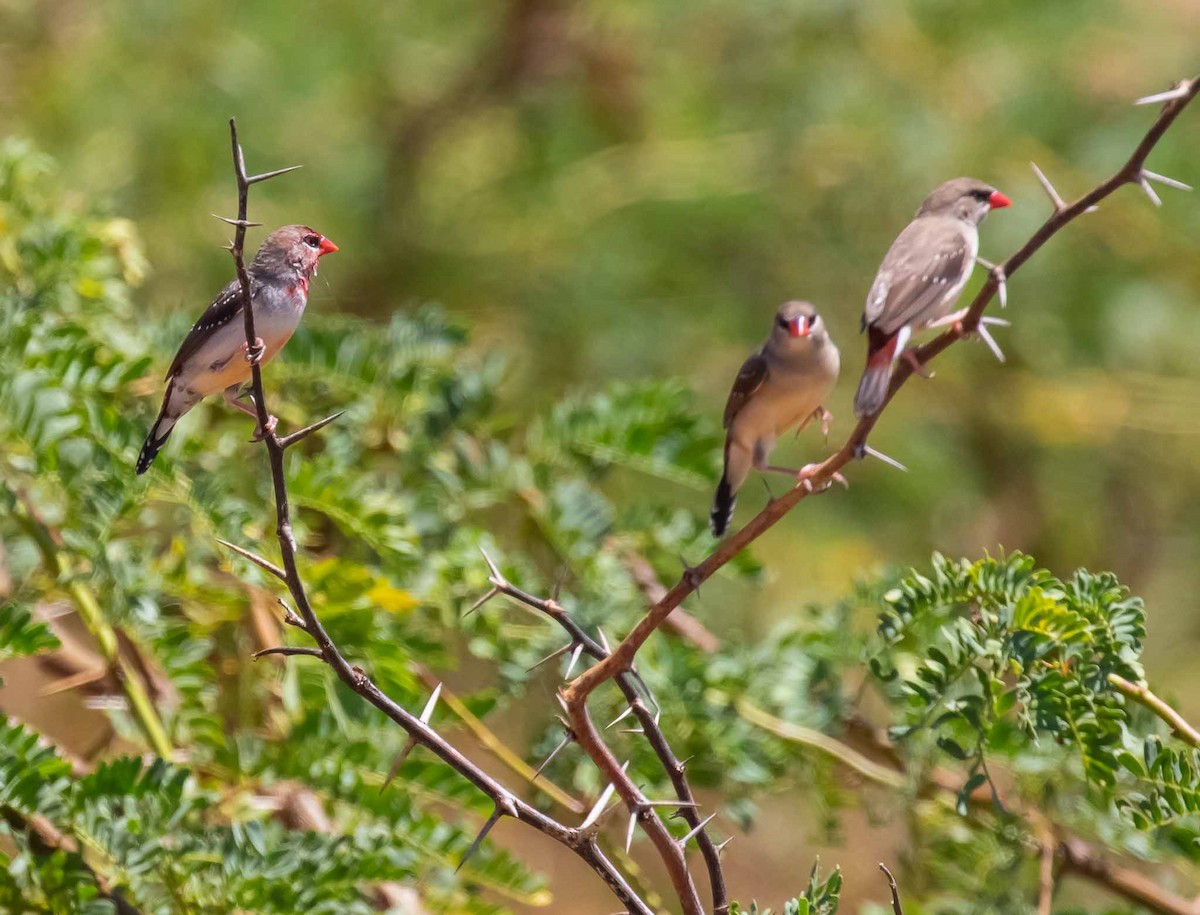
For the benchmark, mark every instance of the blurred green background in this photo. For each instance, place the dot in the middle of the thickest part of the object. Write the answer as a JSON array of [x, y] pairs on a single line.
[[617, 190]]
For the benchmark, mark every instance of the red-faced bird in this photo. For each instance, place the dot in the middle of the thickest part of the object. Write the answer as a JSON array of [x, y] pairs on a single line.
[[921, 278], [213, 356], [780, 386]]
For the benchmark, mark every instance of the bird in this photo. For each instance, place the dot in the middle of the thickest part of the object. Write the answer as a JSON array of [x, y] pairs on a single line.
[[214, 355], [782, 385], [920, 279]]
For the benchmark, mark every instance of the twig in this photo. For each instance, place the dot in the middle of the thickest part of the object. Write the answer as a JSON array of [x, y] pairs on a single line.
[[621, 659], [583, 844], [896, 907], [639, 808], [1142, 694]]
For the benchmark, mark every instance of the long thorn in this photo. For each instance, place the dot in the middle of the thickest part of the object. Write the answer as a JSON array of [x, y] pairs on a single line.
[[986, 336], [633, 818], [699, 826], [245, 223], [1169, 182], [595, 812], [267, 176], [880, 456], [1169, 96], [487, 827], [288, 440], [427, 713], [264, 564], [399, 761], [574, 659], [1055, 198], [557, 653], [483, 600], [540, 769], [1150, 192], [621, 717], [492, 567]]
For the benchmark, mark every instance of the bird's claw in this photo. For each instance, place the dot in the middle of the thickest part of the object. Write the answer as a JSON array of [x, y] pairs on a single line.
[[804, 479], [260, 433], [254, 354]]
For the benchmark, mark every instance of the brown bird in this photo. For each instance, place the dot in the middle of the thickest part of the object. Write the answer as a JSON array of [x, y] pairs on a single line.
[[780, 386], [921, 278], [213, 356]]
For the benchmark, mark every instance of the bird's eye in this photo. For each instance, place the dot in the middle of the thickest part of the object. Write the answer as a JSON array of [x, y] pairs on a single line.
[[781, 321], [312, 241]]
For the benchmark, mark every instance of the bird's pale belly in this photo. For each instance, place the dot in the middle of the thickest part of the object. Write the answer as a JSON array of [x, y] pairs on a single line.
[[223, 362]]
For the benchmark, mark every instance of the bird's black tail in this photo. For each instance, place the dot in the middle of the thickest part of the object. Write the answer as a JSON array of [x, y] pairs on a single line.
[[722, 509], [157, 437]]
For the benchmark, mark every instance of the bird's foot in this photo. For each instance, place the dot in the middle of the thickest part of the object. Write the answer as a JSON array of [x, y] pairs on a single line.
[[826, 419], [260, 433], [916, 365], [804, 478], [254, 354]]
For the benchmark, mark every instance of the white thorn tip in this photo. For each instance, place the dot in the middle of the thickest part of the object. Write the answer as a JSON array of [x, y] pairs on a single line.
[[1145, 185], [1053, 194], [696, 829], [429, 706], [574, 658], [621, 717], [1163, 179], [1169, 96], [880, 456], [598, 809], [629, 832], [986, 337]]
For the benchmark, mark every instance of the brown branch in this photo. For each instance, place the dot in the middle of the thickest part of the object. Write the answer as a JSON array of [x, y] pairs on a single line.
[[1180, 726], [639, 808], [582, 843], [1046, 882], [897, 909], [621, 659], [1080, 858]]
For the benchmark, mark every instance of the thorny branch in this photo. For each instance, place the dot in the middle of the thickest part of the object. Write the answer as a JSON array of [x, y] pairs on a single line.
[[581, 841], [618, 664], [640, 809], [621, 659]]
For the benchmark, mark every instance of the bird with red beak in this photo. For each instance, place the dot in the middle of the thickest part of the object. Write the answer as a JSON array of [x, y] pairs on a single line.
[[920, 279], [214, 356], [782, 385]]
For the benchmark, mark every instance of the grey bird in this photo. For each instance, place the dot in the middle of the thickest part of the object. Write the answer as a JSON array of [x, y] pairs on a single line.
[[921, 278], [213, 356], [782, 385]]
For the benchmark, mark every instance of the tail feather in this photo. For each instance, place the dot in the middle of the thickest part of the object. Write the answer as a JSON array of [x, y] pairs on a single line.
[[722, 510], [157, 436], [873, 388]]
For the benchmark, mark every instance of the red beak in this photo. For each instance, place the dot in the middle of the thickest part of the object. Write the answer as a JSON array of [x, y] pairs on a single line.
[[326, 247], [998, 201], [799, 327]]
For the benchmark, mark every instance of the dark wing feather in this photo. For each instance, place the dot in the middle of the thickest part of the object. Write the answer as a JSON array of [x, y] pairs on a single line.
[[225, 307], [928, 259], [750, 378]]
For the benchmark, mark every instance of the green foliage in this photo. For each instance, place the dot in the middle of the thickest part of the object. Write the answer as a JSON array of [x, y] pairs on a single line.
[[979, 667], [994, 644], [820, 897]]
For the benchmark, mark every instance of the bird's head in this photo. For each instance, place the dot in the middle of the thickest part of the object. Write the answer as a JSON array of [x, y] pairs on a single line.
[[798, 324], [967, 199], [292, 249]]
